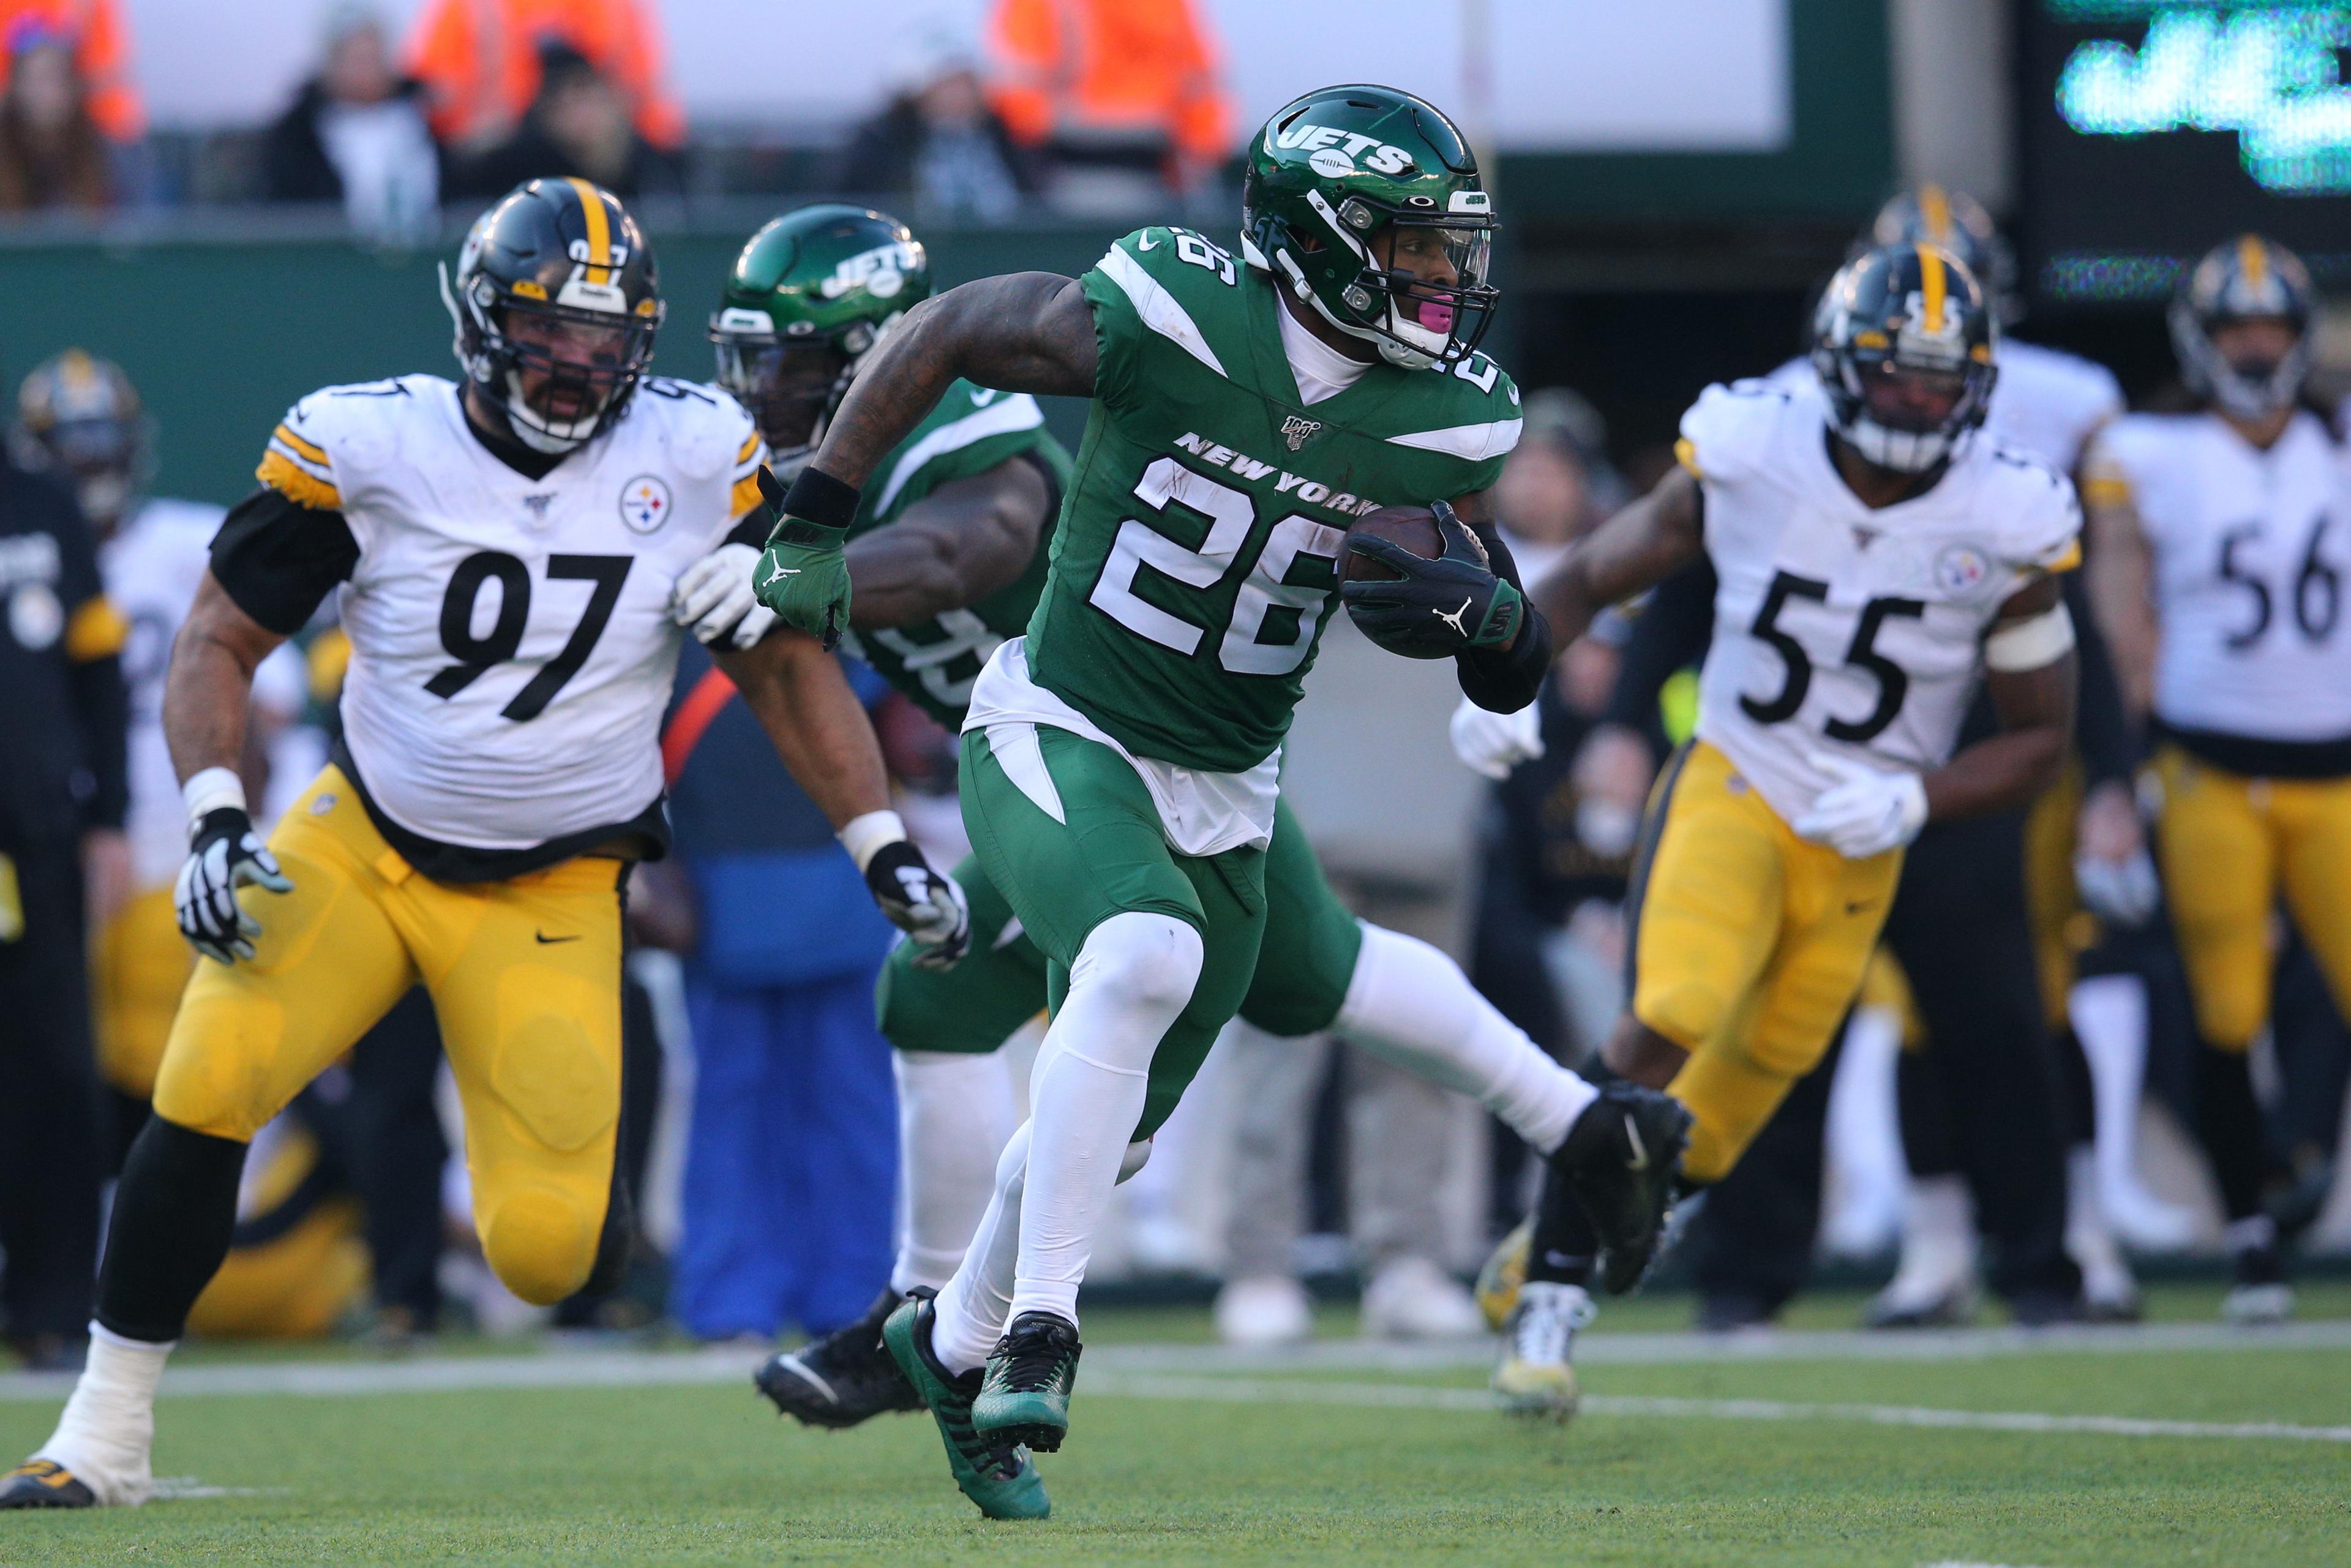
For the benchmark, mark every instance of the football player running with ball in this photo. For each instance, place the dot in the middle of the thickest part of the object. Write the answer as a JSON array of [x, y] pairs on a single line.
[[1121, 760], [947, 559], [519, 556], [1876, 554]]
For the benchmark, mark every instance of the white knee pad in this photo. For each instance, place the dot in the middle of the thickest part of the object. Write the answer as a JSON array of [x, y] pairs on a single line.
[[1140, 960]]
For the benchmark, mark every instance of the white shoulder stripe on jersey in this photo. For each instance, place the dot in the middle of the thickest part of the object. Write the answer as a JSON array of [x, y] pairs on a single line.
[[295, 456], [1475, 443], [1017, 411], [1158, 309]]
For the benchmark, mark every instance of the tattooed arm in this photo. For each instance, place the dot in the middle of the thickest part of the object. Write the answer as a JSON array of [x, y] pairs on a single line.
[[1027, 331]]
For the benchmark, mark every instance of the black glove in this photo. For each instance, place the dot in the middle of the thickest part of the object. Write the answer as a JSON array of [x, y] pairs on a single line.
[[1439, 608], [225, 855], [926, 904]]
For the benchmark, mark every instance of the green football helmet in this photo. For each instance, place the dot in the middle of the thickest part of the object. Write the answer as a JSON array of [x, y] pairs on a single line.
[[805, 302], [1366, 202]]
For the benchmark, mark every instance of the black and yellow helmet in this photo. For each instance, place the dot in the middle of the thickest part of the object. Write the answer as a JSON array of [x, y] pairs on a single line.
[[2241, 279], [1956, 222], [1903, 343], [556, 300], [78, 417]]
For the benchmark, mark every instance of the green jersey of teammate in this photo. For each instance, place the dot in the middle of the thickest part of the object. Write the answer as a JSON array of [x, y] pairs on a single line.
[[1197, 559], [973, 430]]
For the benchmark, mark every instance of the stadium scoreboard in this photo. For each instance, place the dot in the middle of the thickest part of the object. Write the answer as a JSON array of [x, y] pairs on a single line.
[[2152, 129]]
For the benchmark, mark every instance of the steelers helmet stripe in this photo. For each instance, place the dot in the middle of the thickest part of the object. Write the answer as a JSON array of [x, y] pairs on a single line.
[[1932, 285], [2254, 258], [599, 228], [1935, 213]]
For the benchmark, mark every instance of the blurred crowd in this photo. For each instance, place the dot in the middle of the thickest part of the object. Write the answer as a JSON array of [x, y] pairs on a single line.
[[1074, 106]]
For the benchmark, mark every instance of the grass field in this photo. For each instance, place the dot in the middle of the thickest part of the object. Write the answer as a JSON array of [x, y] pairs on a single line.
[[2185, 1446]]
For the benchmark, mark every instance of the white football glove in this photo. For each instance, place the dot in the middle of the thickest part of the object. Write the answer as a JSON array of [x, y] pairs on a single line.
[[225, 855], [714, 596], [1865, 812], [1494, 743], [925, 903], [2125, 892]]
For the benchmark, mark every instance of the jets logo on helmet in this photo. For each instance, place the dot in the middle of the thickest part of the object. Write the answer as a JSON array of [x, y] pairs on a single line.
[[1903, 344], [2246, 278], [1364, 203], [805, 302], [556, 302], [880, 272]]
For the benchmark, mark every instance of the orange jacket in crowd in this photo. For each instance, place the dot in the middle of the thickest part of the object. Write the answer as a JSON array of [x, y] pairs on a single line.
[[101, 54], [479, 60], [1110, 65]]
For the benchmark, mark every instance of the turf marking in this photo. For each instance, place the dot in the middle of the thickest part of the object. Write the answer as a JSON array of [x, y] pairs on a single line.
[[1277, 1391]]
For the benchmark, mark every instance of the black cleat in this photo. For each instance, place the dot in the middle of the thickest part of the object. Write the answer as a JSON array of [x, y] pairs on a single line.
[[1030, 1375], [846, 1377], [43, 1483], [1620, 1161]]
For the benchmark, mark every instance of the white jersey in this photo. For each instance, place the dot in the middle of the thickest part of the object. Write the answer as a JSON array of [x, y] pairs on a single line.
[[152, 565], [1840, 628], [2251, 548], [512, 648], [2045, 402]]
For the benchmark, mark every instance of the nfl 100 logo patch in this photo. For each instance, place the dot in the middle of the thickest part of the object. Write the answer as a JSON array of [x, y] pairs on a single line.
[[646, 503]]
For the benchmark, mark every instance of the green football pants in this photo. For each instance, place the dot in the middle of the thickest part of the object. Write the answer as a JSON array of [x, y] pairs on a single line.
[[1304, 963], [1110, 854]]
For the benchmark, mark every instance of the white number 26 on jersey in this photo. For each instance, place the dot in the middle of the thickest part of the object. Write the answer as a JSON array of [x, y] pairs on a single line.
[[1231, 515]]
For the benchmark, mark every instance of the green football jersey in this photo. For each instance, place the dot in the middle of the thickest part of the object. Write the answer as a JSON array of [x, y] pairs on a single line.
[[1196, 560], [973, 430]]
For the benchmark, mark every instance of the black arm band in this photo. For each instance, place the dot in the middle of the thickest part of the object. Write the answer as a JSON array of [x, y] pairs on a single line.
[[1504, 680], [818, 497]]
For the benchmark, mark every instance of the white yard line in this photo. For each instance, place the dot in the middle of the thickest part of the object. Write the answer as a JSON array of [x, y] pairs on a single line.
[[1274, 1391]]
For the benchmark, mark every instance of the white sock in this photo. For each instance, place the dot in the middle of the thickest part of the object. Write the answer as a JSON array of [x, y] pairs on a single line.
[[1939, 1240], [107, 1431], [1411, 1005], [1132, 978], [955, 1112], [976, 1302]]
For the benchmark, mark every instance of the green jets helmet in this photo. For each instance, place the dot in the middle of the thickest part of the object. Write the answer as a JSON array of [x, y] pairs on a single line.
[[1365, 202], [805, 302]]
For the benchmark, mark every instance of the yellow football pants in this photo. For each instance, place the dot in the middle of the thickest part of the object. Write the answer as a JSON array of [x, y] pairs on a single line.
[[137, 972], [2229, 846], [1750, 946], [2062, 928], [525, 977]]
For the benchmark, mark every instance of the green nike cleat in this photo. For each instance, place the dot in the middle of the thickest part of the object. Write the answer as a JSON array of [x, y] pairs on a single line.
[[1026, 1396], [996, 1473], [43, 1483]]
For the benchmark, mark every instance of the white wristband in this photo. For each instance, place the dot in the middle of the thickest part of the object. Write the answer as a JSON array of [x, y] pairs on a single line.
[[864, 836], [210, 789]]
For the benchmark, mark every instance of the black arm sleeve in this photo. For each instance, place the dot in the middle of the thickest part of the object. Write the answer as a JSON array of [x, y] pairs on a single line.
[[103, 713], [1504, 680], [2100, 731], [277, 558], [1669, 634]]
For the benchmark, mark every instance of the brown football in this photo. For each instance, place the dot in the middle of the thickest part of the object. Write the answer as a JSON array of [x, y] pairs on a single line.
[[1408, 528]]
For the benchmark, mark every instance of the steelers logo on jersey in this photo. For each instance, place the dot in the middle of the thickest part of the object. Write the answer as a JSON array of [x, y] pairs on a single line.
[[1960, 571], [645, 503]]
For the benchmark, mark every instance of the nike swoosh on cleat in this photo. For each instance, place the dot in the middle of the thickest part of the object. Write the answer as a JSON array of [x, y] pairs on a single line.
[[789, 1365], [547, 941], [1640, 1160]]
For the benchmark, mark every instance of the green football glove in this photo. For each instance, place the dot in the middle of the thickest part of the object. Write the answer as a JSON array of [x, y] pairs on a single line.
[[802, 575]]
